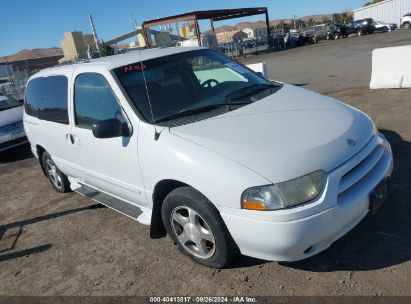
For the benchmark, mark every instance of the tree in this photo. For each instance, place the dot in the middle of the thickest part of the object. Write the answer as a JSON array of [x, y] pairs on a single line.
[[372, 2], [282, 26], [311, 22], [336, 18], [345, 18], [298, 23], [106, 50], [325, 20]]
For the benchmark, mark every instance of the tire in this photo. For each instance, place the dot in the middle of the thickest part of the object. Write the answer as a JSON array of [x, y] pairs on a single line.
[[359, 33], [195, 225], [58, 180], [407, 26]]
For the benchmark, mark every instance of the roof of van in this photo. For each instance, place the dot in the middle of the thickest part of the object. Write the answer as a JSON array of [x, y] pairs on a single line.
[[115, 61]]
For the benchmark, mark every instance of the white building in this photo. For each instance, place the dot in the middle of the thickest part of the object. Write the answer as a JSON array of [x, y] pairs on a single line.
[[390, 11], [255, 32]]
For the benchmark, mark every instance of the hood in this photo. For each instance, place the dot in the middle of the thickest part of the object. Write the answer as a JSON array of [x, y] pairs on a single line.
[[285, 135], [10, 116]]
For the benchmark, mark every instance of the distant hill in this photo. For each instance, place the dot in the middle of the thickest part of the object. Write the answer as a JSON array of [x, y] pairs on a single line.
[[27, 54]]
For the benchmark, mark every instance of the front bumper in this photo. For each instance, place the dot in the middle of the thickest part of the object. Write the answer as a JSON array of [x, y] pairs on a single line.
[[300, 232]]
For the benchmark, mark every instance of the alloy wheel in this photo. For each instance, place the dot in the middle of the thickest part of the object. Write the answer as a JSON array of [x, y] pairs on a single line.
[[53, 174], [193, 232]]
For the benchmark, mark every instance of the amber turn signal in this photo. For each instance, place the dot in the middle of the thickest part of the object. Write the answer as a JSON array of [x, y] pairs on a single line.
[[254, 205]]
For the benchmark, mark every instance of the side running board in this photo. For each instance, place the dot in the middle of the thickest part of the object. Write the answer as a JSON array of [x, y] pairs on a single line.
[[109, 201]]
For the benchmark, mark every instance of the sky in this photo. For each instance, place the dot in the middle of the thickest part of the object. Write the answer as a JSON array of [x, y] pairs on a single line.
[[29, 24]]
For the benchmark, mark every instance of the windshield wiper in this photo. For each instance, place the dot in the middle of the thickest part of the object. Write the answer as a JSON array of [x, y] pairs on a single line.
[[199, 110], [249, 90]]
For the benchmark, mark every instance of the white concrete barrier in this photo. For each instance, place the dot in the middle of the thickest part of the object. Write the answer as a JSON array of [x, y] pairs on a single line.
[[259, 68], [391, 68]]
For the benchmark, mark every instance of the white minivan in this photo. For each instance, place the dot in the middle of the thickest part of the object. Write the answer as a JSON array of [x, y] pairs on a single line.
[[202, 148]]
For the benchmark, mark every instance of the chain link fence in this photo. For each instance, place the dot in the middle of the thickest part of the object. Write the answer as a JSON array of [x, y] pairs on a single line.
[[14, 82]]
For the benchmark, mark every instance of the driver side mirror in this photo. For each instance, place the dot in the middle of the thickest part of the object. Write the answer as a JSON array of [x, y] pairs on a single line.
[[109, 128]]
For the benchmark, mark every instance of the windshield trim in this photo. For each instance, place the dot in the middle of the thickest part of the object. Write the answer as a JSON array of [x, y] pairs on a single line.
[[201, 109]]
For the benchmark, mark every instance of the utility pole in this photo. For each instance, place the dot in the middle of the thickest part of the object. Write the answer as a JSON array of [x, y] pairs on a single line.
[[133, 20], [93, 29]]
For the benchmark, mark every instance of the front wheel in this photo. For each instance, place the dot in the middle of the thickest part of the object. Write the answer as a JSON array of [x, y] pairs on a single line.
[[359, 33], [195, 225], [407, 26], [58, 180]]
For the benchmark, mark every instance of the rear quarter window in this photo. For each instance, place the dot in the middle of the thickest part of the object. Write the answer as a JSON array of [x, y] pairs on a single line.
[[46, 99]]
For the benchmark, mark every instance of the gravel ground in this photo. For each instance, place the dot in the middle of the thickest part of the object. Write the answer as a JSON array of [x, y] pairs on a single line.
[[54, 244]]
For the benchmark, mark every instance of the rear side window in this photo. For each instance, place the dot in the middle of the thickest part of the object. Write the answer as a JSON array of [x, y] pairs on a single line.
[[46, 99], [94, 100]]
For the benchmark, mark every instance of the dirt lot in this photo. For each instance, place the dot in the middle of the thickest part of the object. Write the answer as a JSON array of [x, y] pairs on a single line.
[[53, 244]]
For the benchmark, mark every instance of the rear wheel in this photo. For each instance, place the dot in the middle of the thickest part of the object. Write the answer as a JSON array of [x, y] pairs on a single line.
[[359, 33], [195, 225], [407, 25], [58, 180]]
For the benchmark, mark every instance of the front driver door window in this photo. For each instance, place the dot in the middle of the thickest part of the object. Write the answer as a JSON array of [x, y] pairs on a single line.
[[109, 164], [94, 100]]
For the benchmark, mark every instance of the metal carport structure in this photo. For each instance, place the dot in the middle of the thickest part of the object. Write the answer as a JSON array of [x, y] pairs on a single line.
[[212, 15]]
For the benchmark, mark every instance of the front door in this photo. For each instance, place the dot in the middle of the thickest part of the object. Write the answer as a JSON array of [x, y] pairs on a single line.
[[109, 164]]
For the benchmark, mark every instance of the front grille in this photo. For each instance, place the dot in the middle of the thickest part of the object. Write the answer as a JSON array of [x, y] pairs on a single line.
[[366, 173], [11, 128], [361, 169]]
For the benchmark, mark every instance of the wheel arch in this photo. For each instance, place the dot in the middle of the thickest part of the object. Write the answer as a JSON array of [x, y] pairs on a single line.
[[40, 150], [161, 190]]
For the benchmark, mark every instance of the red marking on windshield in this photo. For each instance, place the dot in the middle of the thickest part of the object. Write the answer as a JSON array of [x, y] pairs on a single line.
[[134, 68]]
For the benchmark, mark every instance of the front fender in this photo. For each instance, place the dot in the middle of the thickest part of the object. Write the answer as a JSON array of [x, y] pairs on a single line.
[[171, 157]]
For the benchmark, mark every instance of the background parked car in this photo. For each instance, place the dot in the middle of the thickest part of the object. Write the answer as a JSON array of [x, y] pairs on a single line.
[[292, 39], [363, 26], [11, 123], [309, 37], [384, 27], [339, 30], [406, 21]]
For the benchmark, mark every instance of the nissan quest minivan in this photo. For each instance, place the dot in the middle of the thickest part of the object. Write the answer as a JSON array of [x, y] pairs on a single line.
[[202, 148]]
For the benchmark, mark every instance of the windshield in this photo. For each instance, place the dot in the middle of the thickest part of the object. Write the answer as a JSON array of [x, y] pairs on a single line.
[[189, 83], [7, 102]]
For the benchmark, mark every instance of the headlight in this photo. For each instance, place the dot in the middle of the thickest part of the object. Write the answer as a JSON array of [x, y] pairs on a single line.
[[286, 194]]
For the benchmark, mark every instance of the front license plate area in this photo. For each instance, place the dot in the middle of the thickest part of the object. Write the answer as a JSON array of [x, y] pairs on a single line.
[[379, 195]]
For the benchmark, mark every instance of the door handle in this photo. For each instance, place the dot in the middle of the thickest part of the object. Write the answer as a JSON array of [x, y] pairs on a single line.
[[75, 140], [71, 137]]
